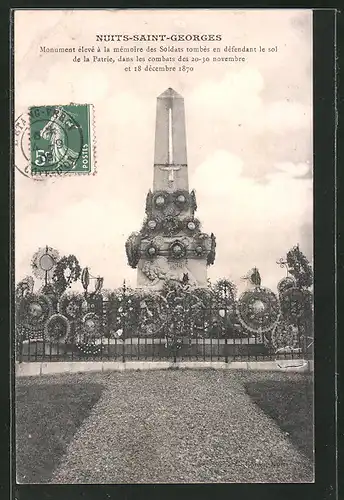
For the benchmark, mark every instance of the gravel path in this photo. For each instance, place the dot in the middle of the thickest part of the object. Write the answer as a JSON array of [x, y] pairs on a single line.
[[179, 427]]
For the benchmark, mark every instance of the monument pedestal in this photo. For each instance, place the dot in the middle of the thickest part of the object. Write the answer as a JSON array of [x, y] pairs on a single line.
[[153, 274]]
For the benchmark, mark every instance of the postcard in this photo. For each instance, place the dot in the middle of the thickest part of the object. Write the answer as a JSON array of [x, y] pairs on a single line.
[[163, 205]]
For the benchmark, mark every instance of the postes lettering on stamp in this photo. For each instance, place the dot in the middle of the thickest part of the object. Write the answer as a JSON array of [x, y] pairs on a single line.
[[61, 139]]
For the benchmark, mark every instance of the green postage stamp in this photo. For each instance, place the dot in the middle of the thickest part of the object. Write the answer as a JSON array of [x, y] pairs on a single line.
[[61, 139]]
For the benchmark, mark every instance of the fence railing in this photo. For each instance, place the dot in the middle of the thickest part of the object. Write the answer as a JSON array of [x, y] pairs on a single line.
[[104, 334], [180, 346], [151, 349]]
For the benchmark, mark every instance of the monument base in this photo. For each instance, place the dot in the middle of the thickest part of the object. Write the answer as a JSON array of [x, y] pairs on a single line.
[[153, 274]]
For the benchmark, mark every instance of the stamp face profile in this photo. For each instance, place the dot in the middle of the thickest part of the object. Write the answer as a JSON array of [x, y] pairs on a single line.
[[60, 139]]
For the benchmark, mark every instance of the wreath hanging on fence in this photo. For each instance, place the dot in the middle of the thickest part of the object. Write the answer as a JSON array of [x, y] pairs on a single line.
[[48, 289], [184, 311], [174, 343], [43, 262], [134, 313], [91, 327], [89, 348], [152, 314], [57, 328], [95, 303], [258, 310], [122, 312], [285, 283], [72, 305], [33, 311], [67, 271], [224, 292], [284, 339], [294, 303], [24, 287]]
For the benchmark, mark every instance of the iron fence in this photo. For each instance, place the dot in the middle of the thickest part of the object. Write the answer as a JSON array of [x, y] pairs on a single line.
[[125, 332]]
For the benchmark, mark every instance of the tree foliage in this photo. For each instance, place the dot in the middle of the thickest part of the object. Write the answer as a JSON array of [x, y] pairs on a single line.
[[300, 268]]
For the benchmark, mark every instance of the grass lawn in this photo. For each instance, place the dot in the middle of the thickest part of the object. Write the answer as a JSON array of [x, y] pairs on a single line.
[[47, 416], [288, 399]]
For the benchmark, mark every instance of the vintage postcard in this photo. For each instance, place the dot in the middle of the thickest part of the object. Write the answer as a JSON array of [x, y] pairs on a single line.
[[163, 188]]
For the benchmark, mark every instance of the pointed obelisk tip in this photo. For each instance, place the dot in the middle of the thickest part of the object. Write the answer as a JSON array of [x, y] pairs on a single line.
[[170, 93]]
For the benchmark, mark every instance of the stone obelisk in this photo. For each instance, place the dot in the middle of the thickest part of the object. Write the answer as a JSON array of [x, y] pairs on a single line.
[[170, 245], [170, 162]]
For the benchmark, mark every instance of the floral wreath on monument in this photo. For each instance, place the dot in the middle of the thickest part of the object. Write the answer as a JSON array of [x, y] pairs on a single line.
[[192, 225], [200, 246], [168, 224], [181, 198], [151, 225], [132, 247], [152, 249], [160, 199], [177, 250]]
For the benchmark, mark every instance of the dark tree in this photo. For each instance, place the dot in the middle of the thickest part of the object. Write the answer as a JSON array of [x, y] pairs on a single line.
[[300, 268]]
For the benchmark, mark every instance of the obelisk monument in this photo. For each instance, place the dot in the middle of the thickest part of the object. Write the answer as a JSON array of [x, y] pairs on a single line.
[[170, 245]]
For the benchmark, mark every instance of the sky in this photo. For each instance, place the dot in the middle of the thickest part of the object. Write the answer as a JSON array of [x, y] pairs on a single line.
[[249, 138]]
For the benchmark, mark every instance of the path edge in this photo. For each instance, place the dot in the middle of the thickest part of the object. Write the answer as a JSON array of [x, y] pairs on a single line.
[[40, 368]]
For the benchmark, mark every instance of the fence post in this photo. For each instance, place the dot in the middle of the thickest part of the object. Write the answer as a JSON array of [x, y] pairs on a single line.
[[123, 340], [174, 344], [226, 333], [105, 327], [19, 343], [124, 302]]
